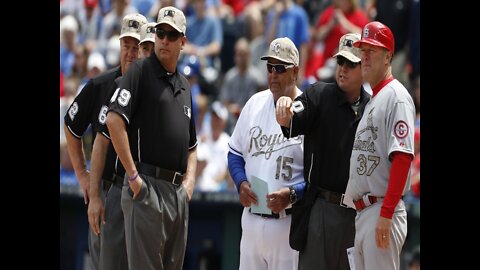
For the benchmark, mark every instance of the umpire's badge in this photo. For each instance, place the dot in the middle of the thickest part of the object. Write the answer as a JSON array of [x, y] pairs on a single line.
[[187, 111], [297, 106]]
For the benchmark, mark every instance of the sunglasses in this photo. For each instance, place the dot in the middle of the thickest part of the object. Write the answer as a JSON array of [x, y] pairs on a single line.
[[278, 68], [342, 60], [171, 35]]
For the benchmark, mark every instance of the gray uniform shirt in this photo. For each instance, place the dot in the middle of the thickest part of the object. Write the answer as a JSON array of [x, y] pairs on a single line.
[[387, 125]]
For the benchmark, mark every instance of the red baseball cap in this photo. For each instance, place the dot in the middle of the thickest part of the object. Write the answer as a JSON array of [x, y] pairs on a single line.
[[377, 34], [90, 3]]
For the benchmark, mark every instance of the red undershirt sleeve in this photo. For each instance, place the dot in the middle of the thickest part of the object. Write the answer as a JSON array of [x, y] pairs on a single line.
[[398, 177]]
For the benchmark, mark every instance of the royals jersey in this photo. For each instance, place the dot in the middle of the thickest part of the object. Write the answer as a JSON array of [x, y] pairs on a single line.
[[259, 140], [387, 126]]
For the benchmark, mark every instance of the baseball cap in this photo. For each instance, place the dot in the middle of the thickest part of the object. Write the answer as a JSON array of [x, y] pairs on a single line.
[[96, 60], [147, 33], [219, 110], [283, 49], [187, 70], [173, 17], [346, 48], [69, 23], [377, 34], [131, 25], [113, 51], [90, 3], [190, 66]]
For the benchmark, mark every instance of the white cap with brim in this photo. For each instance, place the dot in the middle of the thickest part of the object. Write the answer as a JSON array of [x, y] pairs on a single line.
[[96, 60], [69, 23], [113, 51], [147, 33], [131, 25], [220, 110], [346, 48], [173, 17], [283, 49]]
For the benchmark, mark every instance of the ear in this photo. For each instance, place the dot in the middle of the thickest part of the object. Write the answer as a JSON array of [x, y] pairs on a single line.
[[183, 42], [389, 56], [296, 69]]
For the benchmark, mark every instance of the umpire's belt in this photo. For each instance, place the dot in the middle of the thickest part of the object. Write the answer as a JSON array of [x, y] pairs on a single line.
[[288, 211], [173, 177], [331, 196], [115, 180]]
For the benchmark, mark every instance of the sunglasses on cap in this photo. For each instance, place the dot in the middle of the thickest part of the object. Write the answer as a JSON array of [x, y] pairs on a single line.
[[342, 60], [278, 68], [171, 35]]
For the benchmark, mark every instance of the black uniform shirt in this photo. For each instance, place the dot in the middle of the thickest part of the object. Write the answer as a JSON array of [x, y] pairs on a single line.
[[329, 124], [157, 111], [90, 107], [112, 162]]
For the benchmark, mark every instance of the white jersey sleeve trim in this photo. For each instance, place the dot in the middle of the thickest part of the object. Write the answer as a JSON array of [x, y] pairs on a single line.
[[126, 118], [193, 146], [105, 135], [73, 133], [400, 149]]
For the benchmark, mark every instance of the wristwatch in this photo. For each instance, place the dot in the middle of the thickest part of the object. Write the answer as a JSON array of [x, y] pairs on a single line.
[[293, 195]]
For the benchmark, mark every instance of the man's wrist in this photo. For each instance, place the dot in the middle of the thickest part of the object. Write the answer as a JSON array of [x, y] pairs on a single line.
[[293, 195], [130, 179]]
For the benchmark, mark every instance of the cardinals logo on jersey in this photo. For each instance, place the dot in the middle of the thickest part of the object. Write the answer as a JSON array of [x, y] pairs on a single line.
[[370, 126], [401, 129], [368, 144]]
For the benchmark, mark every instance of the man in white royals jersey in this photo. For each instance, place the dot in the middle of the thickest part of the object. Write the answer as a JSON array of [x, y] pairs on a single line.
[[381, 156], [258, 149]]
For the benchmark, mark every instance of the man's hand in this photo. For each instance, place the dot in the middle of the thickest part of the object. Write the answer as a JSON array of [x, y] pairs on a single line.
[[95, 210], [136, 186], [84, 180], [278, 200], [284, 111], [247, 197], [382, 232]]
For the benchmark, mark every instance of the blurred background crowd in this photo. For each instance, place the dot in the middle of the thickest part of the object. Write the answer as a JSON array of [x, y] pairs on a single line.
[[221, 60]]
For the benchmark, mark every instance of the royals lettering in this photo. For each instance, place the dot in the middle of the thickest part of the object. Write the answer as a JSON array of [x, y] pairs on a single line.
[[266, 144]]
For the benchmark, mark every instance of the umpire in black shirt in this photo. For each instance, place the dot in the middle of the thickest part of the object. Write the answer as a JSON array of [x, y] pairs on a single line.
[[328, 115], [89, 108], [153, 131]]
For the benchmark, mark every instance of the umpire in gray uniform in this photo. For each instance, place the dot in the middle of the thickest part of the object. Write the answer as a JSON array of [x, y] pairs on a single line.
[[89, 108], [113, 254], [153, 131]]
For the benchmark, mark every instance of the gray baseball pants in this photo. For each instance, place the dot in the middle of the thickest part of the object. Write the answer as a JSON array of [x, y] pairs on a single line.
[[156, 224], [331, 230], [367, 254], [113, 250]]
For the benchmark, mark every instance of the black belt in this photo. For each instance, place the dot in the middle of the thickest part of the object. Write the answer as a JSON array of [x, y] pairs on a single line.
[[288, 211], [116, 180], [173, 177], [331, 196]]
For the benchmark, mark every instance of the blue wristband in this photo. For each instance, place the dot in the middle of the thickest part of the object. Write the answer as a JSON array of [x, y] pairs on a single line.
[[133, 177]]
